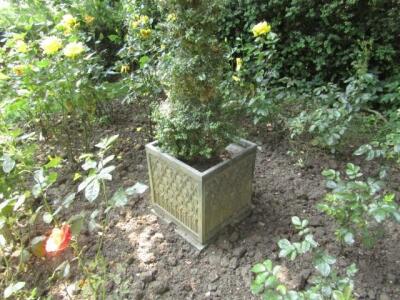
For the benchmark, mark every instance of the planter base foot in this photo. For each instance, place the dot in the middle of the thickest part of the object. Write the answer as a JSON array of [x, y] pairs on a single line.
[[188, 238]]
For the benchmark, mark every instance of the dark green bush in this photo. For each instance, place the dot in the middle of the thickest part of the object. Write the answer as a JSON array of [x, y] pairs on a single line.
[[323, 39]]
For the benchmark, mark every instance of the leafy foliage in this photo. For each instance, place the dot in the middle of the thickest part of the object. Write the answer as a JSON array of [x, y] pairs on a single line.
[[196, 121], [327, 285], [357, 206]]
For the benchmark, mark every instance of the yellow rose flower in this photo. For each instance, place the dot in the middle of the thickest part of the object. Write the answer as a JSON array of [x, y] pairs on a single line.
[[89, 20], [51, 45], [74, 49], [124, 69], [143, 20], [239, 63], [171, 17], [21, 46], [135, 24], [145, 33], [19, 69], [68, 21], [235, 78], [261, 29]]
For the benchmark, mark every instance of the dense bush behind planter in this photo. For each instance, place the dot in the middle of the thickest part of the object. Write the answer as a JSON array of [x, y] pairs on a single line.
[[322, 39]]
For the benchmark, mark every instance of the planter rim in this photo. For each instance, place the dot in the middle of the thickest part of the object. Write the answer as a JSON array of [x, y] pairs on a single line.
[[248, 147]]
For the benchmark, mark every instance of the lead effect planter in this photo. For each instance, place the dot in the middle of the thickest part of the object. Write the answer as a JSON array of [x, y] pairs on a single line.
[[201, 203]]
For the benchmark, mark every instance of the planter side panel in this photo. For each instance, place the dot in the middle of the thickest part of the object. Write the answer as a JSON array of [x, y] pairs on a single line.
[[178, 193], [228, 194]]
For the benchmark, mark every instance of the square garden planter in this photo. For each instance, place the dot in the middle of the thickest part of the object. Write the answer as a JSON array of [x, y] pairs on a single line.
[[201, 203]]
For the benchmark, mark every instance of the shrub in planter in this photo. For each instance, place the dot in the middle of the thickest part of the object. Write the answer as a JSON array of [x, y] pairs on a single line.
[[196, 121], [195, 125]]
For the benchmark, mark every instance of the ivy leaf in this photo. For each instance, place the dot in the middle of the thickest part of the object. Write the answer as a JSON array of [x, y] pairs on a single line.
[[92, 190]]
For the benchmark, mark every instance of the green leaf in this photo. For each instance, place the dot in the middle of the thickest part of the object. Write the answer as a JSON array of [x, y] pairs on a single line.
[[13, 288], [268, 265], [68, 200], [349, 238], [47, 217], [296, 221], [324, 268], [89, 164], [76, 223], [8, 163], [37, 246], [143, 61], [137, 189], [54, 162], [330, 174], [3, 242], [281, 289], [271, 295], [119, 199], [351, 270], [261, 277], [256, 288], [106, 142], [258, 268], [92, 190]]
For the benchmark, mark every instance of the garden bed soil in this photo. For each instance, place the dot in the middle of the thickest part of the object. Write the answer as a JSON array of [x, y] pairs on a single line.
[[149, 260]]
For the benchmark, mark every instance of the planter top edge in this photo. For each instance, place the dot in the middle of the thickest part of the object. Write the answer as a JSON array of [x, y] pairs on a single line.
[[249, 147]]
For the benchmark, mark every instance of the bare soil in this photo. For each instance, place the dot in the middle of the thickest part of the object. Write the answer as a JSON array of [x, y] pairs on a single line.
[[149, 260]]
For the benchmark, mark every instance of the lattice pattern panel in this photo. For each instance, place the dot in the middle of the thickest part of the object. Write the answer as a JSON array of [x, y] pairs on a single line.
[[176, 192], [228, 193]]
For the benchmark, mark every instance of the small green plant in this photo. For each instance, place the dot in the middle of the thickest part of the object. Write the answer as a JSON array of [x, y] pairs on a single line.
[[358, 207], [327, 284], [99, 169]]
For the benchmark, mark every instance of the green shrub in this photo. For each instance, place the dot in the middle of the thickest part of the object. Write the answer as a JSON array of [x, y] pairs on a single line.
[[328, 284], [196, 121], [358, 207], [321, 39]]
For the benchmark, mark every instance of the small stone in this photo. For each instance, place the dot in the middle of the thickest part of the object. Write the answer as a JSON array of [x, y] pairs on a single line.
[[130, 260], [212, 287], [161, 287], [214, 276], [193, 271], [384, 296], [239, 252], [233, 263], [372, 294], [172, 261], [138, 285], [224, 244], [137, 295], [214, 259], [225, 262], [208, 294], [234, 237], [147, 277]]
